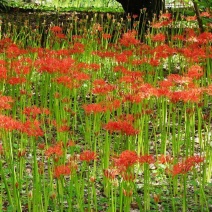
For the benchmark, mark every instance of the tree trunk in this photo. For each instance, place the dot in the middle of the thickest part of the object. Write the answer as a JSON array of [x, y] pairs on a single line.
[[133, 7]]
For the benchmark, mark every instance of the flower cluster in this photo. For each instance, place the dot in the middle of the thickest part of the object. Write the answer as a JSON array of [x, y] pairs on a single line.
[[124, 127], [185, 166]]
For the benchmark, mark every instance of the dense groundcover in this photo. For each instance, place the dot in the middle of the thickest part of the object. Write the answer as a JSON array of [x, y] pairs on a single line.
[[96, 116]]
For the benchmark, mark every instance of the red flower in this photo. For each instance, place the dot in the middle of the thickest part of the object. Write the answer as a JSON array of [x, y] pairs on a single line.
[[61, 171], [191, 18], [16, 80], [126, 159], [129, 39], [121, 126], [87, 156], [127, 176], [160, 37], [94, 108], [34, 111], [146, 159], [64, 128], [102, 107], [102, 87], [121, 58], [166, 16], [164, 159], [106, 36], [70, 143], [191, 95], [10, 124], [5, 102], [187, 165], [32, 128], [111, 173], [195, 72], [56, 29], [3, 73], [205, 14], [56, 150], [60, 35]]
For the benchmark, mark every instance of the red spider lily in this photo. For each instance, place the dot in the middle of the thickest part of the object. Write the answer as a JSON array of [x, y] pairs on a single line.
[[127, 176], [132, 77], [163, 51], [154, 62], [187, 165], [164, 159], [61, 170], [178, 37], [163, 92], [94, 108], [146, 159], [81, 76], [129, 39], [53, 65], [32, 128], [113, 105], [10, 124], [94, 66], [160, 37], [208, 90], [105, 54], [166, 83], [102, 107], [111, 173], [121, 58], [55, 150], [191, 95], [5, 102], [134, 98], [77, 48], [70, 143], [157, 25], [13, 51], [127, 193], [41, 146], [3, 73], [205, 14], [60, 36], [102, 87], [165, 15], [56, 29], [66, 81], [123, 127], [126, 159], [120, 68], [196, 159], [16, 80], [34, 111], [194, 54], [191, 18], [106, 36], [64, 128], [4, 43], [195, 72], [178, 79], [127, 117], [88, 156], [205, 37]]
